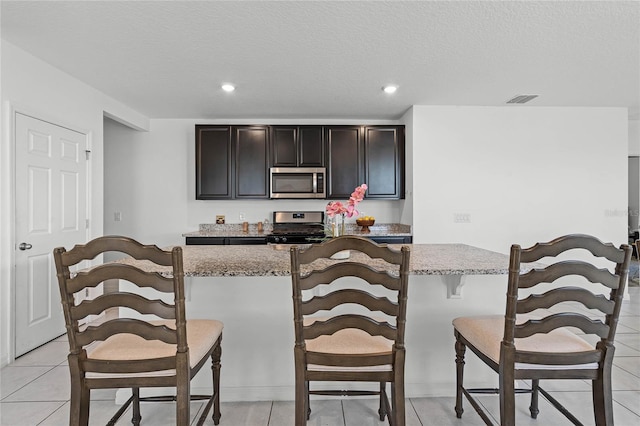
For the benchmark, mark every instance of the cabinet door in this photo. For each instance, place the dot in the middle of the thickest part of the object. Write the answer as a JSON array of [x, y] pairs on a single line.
[[213, 162], [344, 160], [310, 146], [284, 149], [251, 154], [297, 146], [384, 161]]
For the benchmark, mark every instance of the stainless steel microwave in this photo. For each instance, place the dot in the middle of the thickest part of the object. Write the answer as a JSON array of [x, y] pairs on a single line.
[[297, 182]]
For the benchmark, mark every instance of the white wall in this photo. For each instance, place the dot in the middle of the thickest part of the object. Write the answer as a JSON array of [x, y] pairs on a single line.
[[523, 174], [407, 205], [150, 179], [32, 86]]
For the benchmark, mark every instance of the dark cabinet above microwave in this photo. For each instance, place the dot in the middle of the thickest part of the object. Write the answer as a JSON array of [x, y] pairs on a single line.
[[233, 162], [297, 146]]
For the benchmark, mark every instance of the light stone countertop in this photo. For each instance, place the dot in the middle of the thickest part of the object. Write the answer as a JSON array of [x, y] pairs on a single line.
[[274, 260]]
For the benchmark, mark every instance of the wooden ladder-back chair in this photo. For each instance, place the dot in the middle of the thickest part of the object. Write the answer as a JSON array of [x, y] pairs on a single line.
[[134, 352], [536, 337], [349, 333]]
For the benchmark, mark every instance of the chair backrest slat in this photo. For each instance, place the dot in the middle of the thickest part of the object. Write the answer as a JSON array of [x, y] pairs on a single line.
[[340, 322], [129, 326], [98, 246], [335, 245], [566, 294], [564, 319], [349, 269], [570, 242], [566, 268], [118, 271], [114, 300], [340, 297]]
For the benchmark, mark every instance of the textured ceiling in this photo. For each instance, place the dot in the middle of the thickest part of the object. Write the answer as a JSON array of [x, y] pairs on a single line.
[[320, 59]]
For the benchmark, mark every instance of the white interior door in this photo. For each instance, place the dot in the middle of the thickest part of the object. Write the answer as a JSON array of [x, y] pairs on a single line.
[[51, 211]]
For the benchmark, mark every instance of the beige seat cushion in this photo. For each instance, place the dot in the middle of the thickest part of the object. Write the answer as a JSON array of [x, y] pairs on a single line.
[[349, 341], [486, 333], [201, 335]]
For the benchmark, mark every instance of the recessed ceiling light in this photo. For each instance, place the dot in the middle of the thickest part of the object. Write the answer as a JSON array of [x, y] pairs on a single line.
[[228, 87], [390, 89]]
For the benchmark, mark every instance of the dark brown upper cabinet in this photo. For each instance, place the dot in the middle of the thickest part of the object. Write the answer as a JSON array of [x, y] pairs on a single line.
[[384, 161], [213, 162], [231, 162], [297, 146], [344, 162], [251, 151]]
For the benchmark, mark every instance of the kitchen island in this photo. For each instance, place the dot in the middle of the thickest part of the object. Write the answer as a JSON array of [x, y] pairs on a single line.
[[249, 289]]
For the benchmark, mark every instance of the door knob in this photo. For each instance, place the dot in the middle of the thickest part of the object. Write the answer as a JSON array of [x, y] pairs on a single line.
[[24, 246]]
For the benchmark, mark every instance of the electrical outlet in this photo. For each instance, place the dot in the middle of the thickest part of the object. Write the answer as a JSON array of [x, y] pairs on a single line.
[[241, 217], [220, 219], [117, 216], [462, 218]]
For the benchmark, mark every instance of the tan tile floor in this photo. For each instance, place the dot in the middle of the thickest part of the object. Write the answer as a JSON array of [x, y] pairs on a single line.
[[35, 391]]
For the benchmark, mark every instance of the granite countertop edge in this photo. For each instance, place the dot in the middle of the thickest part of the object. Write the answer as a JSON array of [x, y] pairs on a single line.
[[274, 260]]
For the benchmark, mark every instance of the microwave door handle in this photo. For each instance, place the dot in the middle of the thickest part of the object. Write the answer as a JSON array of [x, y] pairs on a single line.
[[315, 183]]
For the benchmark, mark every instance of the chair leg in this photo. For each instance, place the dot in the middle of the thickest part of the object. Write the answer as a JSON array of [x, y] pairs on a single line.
[[300, 389], [507, 398], [533, 408], [602, 398], [215, 369], [397, 391], [135, 419], [382, 410], [80, 394], [460, 350], [80, 398]]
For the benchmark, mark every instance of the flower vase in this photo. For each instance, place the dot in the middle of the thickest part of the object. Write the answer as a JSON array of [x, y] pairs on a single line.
[[338, 228], [337, 225]]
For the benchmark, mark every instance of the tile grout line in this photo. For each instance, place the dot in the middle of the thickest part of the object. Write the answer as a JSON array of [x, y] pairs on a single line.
[[414, 410], [31, 381], [54, 411]]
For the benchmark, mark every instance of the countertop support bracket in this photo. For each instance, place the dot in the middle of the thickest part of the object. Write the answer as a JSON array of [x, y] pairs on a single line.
[[454, 285]]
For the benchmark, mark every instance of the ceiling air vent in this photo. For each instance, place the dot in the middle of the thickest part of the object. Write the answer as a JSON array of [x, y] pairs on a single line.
[[521, 99]]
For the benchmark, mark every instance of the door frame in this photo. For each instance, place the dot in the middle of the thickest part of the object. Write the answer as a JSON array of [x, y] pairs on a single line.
[[13, 108]]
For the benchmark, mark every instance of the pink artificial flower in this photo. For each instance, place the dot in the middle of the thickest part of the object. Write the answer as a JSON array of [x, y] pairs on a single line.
[[356, 196], [336, 207]]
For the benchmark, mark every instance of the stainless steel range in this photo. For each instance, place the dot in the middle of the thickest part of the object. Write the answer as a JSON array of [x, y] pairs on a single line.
[[297, 227]]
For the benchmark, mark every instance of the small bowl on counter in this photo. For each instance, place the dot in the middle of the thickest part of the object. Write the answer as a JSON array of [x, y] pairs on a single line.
[[365, 223]]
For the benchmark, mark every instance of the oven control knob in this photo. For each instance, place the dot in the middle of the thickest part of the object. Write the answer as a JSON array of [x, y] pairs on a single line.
[[276, 239], [284, 239]]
